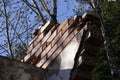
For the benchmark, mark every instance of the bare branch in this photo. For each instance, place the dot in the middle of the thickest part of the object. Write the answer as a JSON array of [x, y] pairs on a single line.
[[4, 49], [7, 30], [45, 7], [39, 12], [17, 35], [30, 6]]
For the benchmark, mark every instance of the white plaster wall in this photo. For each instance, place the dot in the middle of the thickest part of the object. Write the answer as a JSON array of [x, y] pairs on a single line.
[[68, 54], [62, 66]]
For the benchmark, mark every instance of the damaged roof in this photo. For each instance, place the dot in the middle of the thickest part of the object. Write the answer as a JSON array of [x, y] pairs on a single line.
[[51, 39]]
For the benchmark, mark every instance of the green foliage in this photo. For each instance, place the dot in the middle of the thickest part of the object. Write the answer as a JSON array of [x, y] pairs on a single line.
[[111, 17], [20, 52], [102, 70]]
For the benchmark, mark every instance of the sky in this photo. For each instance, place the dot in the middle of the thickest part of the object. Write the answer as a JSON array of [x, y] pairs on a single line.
[[65, 9]]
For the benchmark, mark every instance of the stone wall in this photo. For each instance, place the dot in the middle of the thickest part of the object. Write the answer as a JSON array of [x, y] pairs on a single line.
[[14, 70]]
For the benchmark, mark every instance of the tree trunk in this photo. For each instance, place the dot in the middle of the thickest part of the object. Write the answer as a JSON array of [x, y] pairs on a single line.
[[54, 15]]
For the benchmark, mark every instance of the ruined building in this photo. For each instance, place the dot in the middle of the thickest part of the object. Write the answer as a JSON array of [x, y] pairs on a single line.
[[67, 50], [58, 52]]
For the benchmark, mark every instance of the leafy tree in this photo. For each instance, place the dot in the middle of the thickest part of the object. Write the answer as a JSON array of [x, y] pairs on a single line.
[[110, 14], [108, 58]]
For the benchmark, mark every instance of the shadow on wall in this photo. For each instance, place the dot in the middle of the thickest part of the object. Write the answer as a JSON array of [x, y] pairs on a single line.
[[60, 69]]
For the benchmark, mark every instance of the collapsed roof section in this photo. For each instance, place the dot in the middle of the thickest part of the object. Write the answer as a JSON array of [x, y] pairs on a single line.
[[51, 39]]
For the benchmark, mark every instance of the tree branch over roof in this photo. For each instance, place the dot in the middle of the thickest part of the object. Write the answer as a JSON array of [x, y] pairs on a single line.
[[39, 12], [36, 9]]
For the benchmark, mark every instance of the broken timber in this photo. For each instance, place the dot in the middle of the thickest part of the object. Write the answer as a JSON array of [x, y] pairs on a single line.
[[67, 50]]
